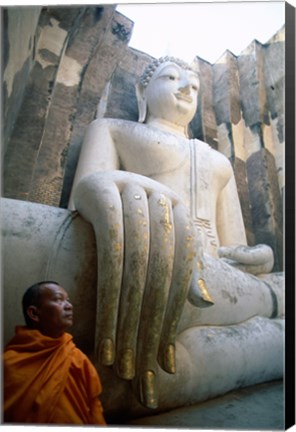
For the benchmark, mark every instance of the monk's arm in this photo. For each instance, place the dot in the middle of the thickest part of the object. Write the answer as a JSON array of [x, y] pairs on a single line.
[[96, 412]]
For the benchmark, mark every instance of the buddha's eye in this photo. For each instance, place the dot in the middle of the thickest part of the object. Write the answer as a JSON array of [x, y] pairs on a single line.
[[171, 77], [194, 87], [168, 77]]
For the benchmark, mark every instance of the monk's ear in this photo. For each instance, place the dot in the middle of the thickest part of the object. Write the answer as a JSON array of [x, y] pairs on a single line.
[[142, 102], [32, 312]]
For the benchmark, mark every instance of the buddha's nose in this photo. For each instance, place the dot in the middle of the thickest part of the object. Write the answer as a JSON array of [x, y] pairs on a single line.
[[185, 87]]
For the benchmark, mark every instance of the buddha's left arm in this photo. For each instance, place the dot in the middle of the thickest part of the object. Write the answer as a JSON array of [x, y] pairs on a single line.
[[230, 224], [257, 259]]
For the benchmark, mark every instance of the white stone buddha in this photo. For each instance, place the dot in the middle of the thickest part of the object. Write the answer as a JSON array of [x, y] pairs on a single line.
[[172, 250]]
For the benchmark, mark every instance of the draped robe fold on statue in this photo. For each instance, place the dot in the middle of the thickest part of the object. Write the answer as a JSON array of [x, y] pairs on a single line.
[[49, 380]]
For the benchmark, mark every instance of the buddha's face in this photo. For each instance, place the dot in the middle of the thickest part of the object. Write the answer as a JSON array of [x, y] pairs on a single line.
[[172, 94]]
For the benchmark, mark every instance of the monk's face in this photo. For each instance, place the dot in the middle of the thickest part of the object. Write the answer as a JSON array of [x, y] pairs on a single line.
[[172, 94], [54, 312]]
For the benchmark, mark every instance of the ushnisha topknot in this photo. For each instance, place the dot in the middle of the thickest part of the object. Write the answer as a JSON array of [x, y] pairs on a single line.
[[150, 69]]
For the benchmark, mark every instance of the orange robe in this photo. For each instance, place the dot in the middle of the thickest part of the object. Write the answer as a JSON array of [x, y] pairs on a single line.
[[49, 380]]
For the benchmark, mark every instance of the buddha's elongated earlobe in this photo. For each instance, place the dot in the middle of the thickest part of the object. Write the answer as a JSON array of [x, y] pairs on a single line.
[[142, 102]]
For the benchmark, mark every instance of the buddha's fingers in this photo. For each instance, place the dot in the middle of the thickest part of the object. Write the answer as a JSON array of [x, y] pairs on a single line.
[[98, 200], [137, 237], [155, 297], [184, 261]]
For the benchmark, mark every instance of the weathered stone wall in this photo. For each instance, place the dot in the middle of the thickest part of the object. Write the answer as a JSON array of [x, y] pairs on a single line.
[[77, 65], [18, 40], [76, 52]]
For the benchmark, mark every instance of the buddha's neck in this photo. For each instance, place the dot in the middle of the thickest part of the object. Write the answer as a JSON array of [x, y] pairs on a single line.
[[167, 126]]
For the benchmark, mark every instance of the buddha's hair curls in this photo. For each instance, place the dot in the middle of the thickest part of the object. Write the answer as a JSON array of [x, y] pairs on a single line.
[[151, 68]]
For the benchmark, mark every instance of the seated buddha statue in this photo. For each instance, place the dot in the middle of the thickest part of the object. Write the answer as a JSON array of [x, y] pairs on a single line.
[[172, 254]]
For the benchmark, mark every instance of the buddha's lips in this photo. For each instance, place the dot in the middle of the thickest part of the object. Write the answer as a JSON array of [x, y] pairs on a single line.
[[184, 97]]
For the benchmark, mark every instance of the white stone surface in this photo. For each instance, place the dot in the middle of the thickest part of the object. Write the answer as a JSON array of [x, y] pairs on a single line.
[[203, 181]]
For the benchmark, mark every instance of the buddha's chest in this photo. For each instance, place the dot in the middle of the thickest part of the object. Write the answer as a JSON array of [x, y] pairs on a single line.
[[153, 153]]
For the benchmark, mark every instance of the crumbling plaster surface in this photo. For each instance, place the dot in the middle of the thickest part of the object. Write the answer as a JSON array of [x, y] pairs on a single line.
[[19, 46], [22, 25]]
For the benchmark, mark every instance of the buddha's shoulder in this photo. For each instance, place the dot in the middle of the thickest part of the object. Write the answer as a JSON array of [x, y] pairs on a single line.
[[136, 133], [218, 161], [114, 123], [211, 152]]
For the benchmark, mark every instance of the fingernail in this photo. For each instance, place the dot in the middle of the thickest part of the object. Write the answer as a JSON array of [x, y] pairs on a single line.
[[126, 364], [148, 392], [204, 291], [106, 352]]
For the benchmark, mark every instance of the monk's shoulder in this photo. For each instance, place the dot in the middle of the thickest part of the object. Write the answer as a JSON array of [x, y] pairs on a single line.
[[81, 361]]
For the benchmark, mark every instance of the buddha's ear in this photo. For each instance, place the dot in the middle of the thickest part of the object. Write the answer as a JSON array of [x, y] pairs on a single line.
[[142, 102]]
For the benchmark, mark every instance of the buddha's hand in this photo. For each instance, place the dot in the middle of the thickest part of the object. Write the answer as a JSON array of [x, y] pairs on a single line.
[[146, 254], [256, 260]]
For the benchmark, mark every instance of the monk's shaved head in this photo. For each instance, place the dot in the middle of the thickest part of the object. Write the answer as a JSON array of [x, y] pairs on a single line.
[[32, 297]]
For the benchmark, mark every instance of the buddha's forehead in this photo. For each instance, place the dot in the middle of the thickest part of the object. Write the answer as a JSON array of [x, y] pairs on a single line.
[[170, 65]]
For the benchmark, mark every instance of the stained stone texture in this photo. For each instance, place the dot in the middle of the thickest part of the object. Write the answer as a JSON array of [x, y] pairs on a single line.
[[37, 239], [274, 131], [204, 124], [61, 95], [250, 64], [256, 408], [240, 173], [226, 89], [266, 202], [74, 64], [18, 39], [27, 138], [121, 96]]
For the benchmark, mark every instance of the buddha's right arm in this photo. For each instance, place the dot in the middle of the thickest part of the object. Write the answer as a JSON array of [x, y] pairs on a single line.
[[145, 255], [97, 153]]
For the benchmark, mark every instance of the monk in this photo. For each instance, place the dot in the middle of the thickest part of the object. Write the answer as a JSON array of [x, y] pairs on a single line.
[[47, 379]]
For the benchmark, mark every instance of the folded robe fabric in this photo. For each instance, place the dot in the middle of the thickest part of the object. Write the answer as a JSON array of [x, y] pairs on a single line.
[[49, 380]]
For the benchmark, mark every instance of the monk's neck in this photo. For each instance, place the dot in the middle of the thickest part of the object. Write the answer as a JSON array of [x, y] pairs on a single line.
[[52, 333], [167, 126]]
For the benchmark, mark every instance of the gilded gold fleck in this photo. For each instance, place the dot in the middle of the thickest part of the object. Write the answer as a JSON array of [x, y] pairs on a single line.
[[204, 291]]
